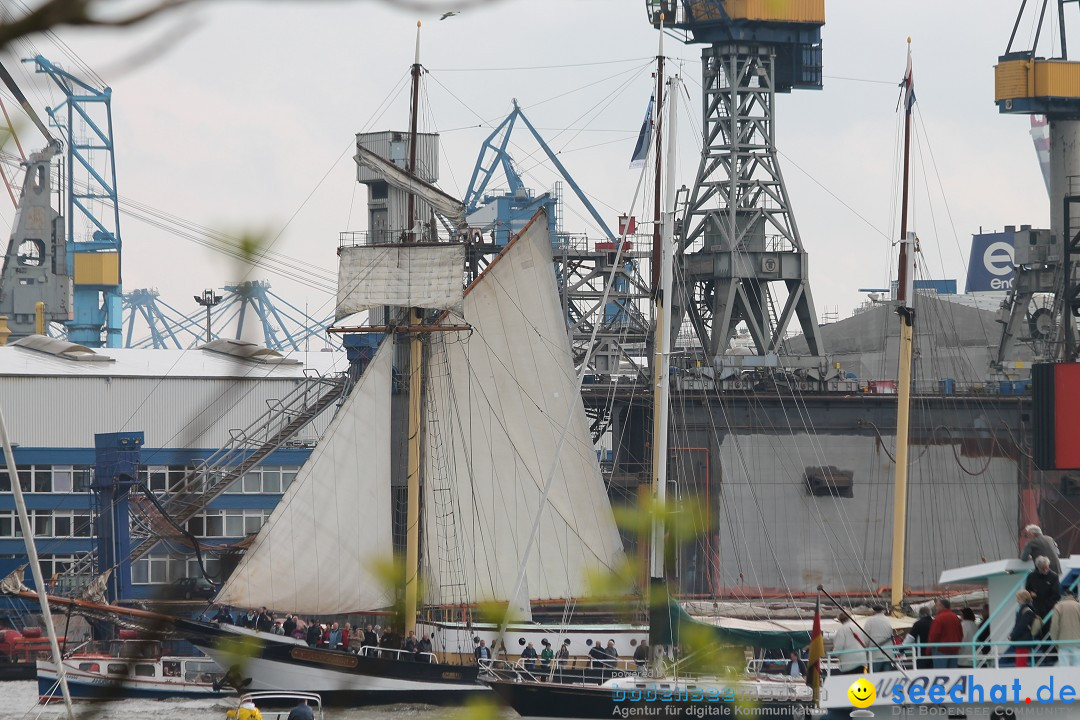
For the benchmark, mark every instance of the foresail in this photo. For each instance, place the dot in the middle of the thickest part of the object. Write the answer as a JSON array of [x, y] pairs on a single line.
[[424, 275], [498, 399], [317, 552]]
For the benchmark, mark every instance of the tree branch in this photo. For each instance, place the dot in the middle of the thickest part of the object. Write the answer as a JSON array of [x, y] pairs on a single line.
[[54, 13]]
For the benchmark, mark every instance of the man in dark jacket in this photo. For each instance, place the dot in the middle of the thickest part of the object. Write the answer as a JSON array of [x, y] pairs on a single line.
[[314, 634], [289, 626], [223, 615], [528, 657], [1044, 586], [302, 711], [423, 649], [371, 640], [1039, 545], [920, 634], [946, 628], [264, 622], [599, 657]]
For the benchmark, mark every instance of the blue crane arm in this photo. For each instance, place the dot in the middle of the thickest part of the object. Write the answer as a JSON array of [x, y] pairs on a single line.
[[566, 176], [500, 156]]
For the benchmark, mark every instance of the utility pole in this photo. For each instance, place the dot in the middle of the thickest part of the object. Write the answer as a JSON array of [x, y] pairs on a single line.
[[208, 300]]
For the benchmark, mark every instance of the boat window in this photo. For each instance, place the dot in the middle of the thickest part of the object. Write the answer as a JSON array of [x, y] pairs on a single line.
[[117, 669], [90, 667], [170, 669], [830, 481], [145, 671], [201, 672]]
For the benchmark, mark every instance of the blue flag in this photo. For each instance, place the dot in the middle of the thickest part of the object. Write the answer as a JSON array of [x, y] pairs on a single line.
[[641, 150]]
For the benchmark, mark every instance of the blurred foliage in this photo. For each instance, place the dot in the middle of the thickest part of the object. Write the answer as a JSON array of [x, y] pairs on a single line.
[[52, 14]]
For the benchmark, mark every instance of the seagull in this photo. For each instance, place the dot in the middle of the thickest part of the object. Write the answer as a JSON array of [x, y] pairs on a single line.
[[450, 14]]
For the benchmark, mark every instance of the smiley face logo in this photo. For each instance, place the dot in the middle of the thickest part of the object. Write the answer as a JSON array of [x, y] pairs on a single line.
[[861, 693]]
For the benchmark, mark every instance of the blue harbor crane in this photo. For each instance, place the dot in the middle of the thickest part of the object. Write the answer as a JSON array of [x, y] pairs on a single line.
[[493, 217], [93, 253], [282, 325], [502, 215]]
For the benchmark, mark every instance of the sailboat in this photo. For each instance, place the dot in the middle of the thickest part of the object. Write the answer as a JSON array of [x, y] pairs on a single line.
[[668, 685], [498, 396]]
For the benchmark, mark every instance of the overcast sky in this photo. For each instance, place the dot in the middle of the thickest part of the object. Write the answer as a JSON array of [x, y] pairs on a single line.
[[242, 115]]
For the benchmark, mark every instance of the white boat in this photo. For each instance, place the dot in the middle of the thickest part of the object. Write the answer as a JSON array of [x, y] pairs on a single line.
[[132, 669], [992, 683]]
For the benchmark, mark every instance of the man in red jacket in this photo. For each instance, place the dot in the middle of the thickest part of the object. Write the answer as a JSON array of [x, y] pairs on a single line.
[[946, 628]]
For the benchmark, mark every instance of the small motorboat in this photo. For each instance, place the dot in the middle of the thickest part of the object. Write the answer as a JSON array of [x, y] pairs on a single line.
[[275, 701]]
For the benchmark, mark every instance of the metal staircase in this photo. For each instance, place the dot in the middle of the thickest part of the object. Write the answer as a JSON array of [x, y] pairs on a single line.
[[281, 421]]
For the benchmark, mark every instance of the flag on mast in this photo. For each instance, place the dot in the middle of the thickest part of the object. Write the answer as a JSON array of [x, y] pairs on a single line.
[[641, 150], [908, 83], [817, 651]]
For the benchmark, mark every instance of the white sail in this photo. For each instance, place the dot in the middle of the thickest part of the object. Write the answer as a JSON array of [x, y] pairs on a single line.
[[498, 400], [317, 552], [425, 276]]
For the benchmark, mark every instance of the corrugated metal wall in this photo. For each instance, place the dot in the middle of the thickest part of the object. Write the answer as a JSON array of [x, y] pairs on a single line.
[[60, 412]]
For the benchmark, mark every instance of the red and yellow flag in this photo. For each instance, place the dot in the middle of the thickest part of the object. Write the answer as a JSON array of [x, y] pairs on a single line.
[[817, 652]]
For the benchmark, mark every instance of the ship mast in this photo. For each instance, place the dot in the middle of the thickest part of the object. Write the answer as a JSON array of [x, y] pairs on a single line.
[[661, 351], [661, 386], [906, 312], [416, 349]]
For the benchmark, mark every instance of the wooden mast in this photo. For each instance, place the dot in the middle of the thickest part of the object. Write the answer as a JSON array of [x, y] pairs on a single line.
[[904, 292], [416, 384]]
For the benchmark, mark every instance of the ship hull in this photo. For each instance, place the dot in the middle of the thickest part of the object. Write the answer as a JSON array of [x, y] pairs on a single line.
[[340, 677], [546, 700], [84, 685]]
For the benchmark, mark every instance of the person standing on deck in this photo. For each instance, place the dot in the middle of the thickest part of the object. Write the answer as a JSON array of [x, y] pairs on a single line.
[[879, 630], [970, 627], [946, 629], [546, 655], [371, 640], [423, 649], [1021, 632], [641, 656], [1044, 586], [1039, 545], [847, 644], [528, 657], [333, 638], [919, 635], [1065, 630], [314, 634], [482, 652]]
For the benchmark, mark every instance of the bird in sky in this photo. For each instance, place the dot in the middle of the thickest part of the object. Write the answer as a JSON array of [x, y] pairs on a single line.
[[450, 14]]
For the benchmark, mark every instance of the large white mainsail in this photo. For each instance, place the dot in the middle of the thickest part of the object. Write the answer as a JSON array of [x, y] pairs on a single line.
[[498, 399], [317, 552]]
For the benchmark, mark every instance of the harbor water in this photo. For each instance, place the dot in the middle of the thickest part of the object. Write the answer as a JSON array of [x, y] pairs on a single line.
[[19, 702]]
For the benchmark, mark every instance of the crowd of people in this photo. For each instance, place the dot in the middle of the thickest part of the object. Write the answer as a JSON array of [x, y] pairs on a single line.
[[946, 638], [371, 641]]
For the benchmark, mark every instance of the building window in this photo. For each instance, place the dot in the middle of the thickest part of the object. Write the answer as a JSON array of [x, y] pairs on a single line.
[[82, 477], [50, 478], [269, 480], [8, 524]]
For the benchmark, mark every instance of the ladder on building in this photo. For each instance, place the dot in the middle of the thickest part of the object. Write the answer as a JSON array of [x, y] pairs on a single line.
[[280, 423]]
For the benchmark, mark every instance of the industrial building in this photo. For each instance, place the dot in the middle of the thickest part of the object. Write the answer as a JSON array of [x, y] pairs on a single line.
[[188, 404]]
